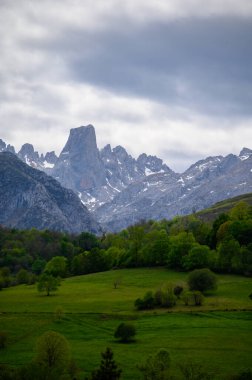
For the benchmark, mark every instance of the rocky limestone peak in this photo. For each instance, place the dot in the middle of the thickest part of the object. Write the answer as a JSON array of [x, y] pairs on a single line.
[[28, 155], [245, 153], [79, 165], [10, 149], [151, 164], [26, 149], [121, 153], [51, 157], [2, 146], [106, 151], [6, 148]]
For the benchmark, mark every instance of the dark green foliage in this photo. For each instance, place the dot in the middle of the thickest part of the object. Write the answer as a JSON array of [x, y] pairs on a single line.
[[243, 375], [57, 266], [202, 280], [178, 289], [184, 243], [23, 276], [156, 366], [52, 351], [87, 241], [194, 371], [108, 368], [198, 257], [163, 297], [48, 283], [7, 373], [3, 339], [125, 332], [146, 303]]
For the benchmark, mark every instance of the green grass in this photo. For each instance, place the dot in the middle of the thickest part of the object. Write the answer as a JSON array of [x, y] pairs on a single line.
[[218, 334]]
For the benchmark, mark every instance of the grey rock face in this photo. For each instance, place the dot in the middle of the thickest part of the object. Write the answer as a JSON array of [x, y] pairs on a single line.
[[79, 166], [33, 159], [30, 198], [6, 148], [121, 190], [166, 195]]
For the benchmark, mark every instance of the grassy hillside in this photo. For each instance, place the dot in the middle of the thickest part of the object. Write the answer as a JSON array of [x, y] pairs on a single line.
[[213, 212], [210, 334]]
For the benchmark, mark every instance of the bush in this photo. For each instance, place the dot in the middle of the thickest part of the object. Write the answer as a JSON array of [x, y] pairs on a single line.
[[194, 298], [243, 375], [178, 290], [146, 303], [202, 280], [3, 339], [125, 332]]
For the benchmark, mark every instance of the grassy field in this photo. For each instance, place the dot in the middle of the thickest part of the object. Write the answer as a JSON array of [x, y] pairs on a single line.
[[217, 334]]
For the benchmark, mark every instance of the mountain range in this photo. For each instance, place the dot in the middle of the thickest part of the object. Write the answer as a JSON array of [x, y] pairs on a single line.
[[119, 190]]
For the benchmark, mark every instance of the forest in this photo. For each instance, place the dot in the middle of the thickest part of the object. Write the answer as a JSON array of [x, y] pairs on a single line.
[[182, 244]]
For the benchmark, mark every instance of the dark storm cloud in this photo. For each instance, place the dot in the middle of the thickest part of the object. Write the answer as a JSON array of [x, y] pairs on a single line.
[[204, 64]]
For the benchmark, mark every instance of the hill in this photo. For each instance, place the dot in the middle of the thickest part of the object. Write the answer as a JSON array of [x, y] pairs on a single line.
[[211, 213]]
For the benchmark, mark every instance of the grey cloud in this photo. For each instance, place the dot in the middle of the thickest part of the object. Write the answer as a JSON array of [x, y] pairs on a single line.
[[205, 64]]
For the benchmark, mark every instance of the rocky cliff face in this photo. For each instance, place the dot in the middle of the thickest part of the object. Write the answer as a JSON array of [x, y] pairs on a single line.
[[30, 198], [79, 166], [166, 195], [121, 190]]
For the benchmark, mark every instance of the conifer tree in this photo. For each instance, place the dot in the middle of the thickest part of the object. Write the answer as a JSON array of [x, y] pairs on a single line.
[[108, 368]]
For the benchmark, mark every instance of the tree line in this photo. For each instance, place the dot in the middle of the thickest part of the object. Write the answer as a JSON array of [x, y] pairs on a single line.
[[183, 243]]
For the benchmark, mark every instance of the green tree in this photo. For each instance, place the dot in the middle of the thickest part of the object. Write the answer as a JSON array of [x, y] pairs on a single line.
[[156, 366], [57, 266], [125, 332], [240, 211], [227, 250], [198, 257], [38, 266], [48, 283], [194, 371], [180, 247], [202, 280], [23, 276], [52, 351], [108, 368]]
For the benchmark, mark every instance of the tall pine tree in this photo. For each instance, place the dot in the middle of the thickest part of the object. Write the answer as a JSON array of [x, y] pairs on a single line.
[[108, 368]]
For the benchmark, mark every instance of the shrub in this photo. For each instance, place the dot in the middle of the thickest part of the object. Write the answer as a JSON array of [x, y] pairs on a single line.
[[125, 332], [146, 303], [195, 298], [202, 280], [178, 290], [3, 339]]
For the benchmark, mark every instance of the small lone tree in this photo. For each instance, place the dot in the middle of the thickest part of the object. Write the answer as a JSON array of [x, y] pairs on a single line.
[[202, 280], [47, 283], [53, 350], [108, 368], [125, 332]]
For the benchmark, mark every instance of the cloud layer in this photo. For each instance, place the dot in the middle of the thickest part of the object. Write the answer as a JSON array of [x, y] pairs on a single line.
[[171, 78]]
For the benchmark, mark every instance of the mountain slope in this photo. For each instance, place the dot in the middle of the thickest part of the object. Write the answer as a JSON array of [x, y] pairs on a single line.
[[30, 198], [121, 190]]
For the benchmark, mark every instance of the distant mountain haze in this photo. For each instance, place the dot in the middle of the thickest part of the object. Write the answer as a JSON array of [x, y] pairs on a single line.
[[120, 190]]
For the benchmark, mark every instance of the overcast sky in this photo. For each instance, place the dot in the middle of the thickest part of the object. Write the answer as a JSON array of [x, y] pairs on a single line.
[[166, 77]]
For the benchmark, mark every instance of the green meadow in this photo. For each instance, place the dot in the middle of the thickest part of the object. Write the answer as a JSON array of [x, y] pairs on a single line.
[[217, 334]]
